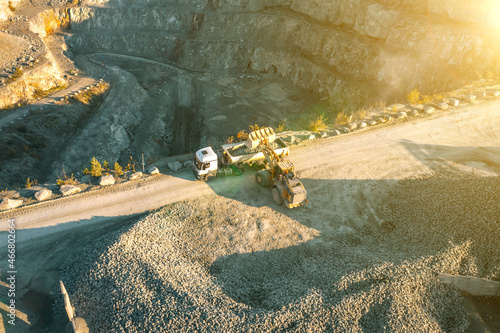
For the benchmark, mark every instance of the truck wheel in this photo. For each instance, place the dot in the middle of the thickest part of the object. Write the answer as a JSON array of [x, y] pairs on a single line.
[[209, 177], [238, 171], [277, 195]]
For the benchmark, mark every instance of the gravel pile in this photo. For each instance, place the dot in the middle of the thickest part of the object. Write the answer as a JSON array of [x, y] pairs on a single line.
[[219, 265], [244, 150]]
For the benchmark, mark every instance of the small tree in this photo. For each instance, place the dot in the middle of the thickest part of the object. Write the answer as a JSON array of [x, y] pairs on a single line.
[[105, 166], [413, 97], [95, 168], [130, 165], [118, 169], [318, 123]]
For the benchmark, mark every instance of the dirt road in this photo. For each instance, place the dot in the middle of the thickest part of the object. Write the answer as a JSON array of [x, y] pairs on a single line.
[[466, 140]]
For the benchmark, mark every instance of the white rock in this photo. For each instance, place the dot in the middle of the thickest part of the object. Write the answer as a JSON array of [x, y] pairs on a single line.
[[107, 180], [335, 132], [135, 175], [470, 98], [453, 102], [345, 130], [429, 109], [323, 134], [496, 93], [10, 203], [352, 126], [69, 189], [362, 124], [414, 113], [372, 123], [402, 115], [43, 194], [154, 170], [443, 106], [419, 107]]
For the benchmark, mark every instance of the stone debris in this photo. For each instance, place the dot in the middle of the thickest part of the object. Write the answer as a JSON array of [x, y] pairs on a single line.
[[187, 164], [372, 122], [429, 110], [443, 106], [362, 124], [402, 115], [107, 180], [7, 203], [174, 166], [43, 194], [352, 126], [453, 102], [336, 132], [135, 175], [470, 98], [69, 190], [345, 130], [414, 113]]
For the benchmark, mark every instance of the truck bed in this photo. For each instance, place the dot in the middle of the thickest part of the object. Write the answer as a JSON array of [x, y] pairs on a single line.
[[239, 152]]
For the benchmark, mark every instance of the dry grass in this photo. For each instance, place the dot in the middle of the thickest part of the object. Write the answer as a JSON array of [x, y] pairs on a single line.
[[342, 118], [88, 95]]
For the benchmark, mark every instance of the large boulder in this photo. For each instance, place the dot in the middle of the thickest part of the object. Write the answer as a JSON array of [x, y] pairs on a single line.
[[174, 166], [402, 115], [453, 102], [135, 175], [43, 194], [429, 110], [107, 180], [10, 203], [69, 190], [469, 98]]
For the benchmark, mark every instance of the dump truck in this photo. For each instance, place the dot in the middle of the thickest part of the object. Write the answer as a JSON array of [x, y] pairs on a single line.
[[229, 160], [262, 145]]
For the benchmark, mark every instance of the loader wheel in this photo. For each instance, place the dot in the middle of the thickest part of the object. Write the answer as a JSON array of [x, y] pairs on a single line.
[[210, 177], [277, 195], [261, 177]]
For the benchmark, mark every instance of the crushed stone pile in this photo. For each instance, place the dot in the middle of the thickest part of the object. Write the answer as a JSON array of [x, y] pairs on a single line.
[[218, 265]]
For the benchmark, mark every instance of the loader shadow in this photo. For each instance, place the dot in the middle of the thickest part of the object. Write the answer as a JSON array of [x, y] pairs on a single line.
[[41, 253], [352, 231]]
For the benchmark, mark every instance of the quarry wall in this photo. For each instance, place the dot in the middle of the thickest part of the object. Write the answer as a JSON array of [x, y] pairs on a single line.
[[347, 50]]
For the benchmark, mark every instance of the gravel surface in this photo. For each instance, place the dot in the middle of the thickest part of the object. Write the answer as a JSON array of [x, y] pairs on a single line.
[[220, 265]]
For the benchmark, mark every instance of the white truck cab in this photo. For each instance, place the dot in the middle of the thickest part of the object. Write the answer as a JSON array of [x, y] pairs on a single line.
[[205, 164]]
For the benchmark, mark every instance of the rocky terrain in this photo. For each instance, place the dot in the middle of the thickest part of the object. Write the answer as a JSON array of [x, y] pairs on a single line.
[[218, 264]]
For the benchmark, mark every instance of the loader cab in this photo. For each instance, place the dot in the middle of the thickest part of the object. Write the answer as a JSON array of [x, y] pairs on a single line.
[[205, 163]]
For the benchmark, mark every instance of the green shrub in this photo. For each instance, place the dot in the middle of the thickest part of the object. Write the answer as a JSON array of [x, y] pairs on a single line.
[[342, 118], [118, 169]]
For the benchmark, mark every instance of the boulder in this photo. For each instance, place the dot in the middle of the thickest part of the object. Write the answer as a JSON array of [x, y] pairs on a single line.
[[453, 102], [414, 113], [345, 130], [402, 115], [469, 98], [443, 106], [85, 179], [135, 175], [419, 107], [154, 170], [388, 118], [69, 190], [429, 109], [382, 120], [372, 122], [495, 93], [187, 164], [10, 203], [323, 134], [174, 166], [107, 180], [352, 126], [335, 133], [43, 194], [362, 124]]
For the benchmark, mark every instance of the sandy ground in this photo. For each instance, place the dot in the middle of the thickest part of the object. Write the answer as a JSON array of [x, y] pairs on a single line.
[[352, 182]]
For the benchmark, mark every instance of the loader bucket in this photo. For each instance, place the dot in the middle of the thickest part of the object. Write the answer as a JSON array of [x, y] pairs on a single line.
[[255, 138]]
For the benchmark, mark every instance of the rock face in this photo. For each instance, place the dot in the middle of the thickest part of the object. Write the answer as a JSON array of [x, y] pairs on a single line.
[[43, 194], [7, 204], [107, 180], [339, 49], [69, 190]]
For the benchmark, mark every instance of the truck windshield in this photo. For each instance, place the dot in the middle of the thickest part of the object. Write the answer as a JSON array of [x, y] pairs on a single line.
[[198, 164]]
